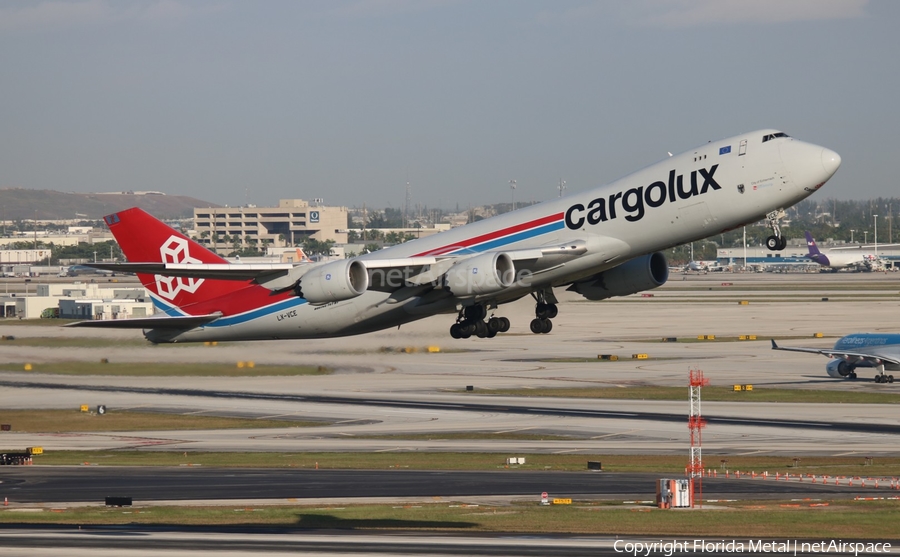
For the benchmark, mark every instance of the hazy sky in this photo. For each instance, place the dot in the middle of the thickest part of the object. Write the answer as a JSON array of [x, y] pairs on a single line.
[[239, 101]]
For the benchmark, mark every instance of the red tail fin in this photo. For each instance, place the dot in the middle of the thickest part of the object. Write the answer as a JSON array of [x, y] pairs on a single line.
[[145, 239]]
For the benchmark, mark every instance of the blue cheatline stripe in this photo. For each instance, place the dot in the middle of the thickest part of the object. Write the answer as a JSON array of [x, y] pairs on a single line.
[[513, 238], [237, 319], [256, 313]]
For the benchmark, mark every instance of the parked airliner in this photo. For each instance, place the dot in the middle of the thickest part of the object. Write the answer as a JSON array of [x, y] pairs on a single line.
[[870, 350], [600, 243], [847, 257]]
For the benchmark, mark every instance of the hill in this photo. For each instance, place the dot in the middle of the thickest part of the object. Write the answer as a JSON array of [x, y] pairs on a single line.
[[19, 203]]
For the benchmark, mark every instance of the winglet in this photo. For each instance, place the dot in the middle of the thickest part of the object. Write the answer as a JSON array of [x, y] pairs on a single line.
[[774, 346]]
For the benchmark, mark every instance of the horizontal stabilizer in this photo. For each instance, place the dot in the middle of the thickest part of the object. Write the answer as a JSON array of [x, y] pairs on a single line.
[[218, 271], [181, 322]]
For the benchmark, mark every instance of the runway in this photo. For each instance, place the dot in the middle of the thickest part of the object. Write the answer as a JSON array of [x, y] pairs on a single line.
[[61, 485]]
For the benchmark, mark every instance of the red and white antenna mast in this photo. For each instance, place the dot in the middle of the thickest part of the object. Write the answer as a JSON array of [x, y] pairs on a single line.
[[696, 423]]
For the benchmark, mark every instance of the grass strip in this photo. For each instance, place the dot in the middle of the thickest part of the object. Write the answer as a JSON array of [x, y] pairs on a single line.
[[419, 460], [871, 520], [67, 421], [157, 369], [710, 394], [72, 342]]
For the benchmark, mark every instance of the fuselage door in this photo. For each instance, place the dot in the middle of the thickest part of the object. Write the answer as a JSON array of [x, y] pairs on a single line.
[[743, 148]]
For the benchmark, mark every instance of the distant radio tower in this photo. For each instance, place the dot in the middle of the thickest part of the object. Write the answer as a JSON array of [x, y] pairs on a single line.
[[696, 423]]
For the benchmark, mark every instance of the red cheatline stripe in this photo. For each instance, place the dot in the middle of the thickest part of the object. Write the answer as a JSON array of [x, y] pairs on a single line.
[[492, 235]]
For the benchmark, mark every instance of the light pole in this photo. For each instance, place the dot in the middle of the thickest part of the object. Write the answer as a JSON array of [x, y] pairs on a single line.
[[512, 190], [745, 249], [865, 236], [851, 235], [875, 218]]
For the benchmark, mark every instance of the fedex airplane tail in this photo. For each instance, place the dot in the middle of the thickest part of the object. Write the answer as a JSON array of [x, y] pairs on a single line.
[[143, 238], [814, 252]]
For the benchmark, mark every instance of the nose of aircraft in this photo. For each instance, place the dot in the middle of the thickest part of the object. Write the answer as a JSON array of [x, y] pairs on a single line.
[[831, 161], [809, 165]]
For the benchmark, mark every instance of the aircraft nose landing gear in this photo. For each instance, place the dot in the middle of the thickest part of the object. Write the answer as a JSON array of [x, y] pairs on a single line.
[[776, 242]]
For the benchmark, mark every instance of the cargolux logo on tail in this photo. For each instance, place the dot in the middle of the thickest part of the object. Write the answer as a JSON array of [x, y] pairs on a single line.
[[175, 250]]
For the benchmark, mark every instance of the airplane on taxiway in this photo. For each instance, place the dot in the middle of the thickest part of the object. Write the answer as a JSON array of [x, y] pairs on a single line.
[[840, 258], [600, 243], [869, 350]]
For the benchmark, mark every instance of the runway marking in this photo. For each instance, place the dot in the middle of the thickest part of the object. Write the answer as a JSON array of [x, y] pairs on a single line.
[[567, 451], [388, 450], [619, 433], [513, 430], [273, 416], [848, 454], [750, 453]]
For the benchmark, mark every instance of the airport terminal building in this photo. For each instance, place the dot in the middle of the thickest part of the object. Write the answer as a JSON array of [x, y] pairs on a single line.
[[289, 224]]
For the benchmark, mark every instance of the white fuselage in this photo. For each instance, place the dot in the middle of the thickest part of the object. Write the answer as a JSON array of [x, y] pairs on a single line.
[[716, 187]]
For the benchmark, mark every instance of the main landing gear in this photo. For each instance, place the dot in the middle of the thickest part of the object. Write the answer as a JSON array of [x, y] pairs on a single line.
[[471, 321], [544, 310], [776, 242]]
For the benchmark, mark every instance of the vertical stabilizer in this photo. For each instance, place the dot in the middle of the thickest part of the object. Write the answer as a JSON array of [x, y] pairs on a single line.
[[144, 239]]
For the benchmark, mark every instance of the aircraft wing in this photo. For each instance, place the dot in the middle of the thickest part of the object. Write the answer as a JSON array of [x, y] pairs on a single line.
[[875, 356], [418, 270], [164, 322]]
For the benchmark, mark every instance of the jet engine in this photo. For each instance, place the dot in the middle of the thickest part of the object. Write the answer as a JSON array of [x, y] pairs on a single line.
[[333, 282], [482, 274], [641, 273], [839, 368]]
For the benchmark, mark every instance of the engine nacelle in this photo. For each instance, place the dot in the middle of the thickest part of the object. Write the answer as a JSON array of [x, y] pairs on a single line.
[[482, 274], [839, 368], [641, 273], [333, 282]]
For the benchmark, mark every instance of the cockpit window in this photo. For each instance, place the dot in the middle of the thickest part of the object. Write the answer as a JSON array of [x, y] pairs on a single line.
[[774, 135]]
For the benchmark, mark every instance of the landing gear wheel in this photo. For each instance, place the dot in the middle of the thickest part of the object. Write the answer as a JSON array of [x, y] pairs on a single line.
[[890, 379], [773, 243], [490, 333], [504, 324], [537, 326], [782, 243], [456, 330], [879, 378], [481, 329], [852, 375], [494, 325], [546, 326]]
